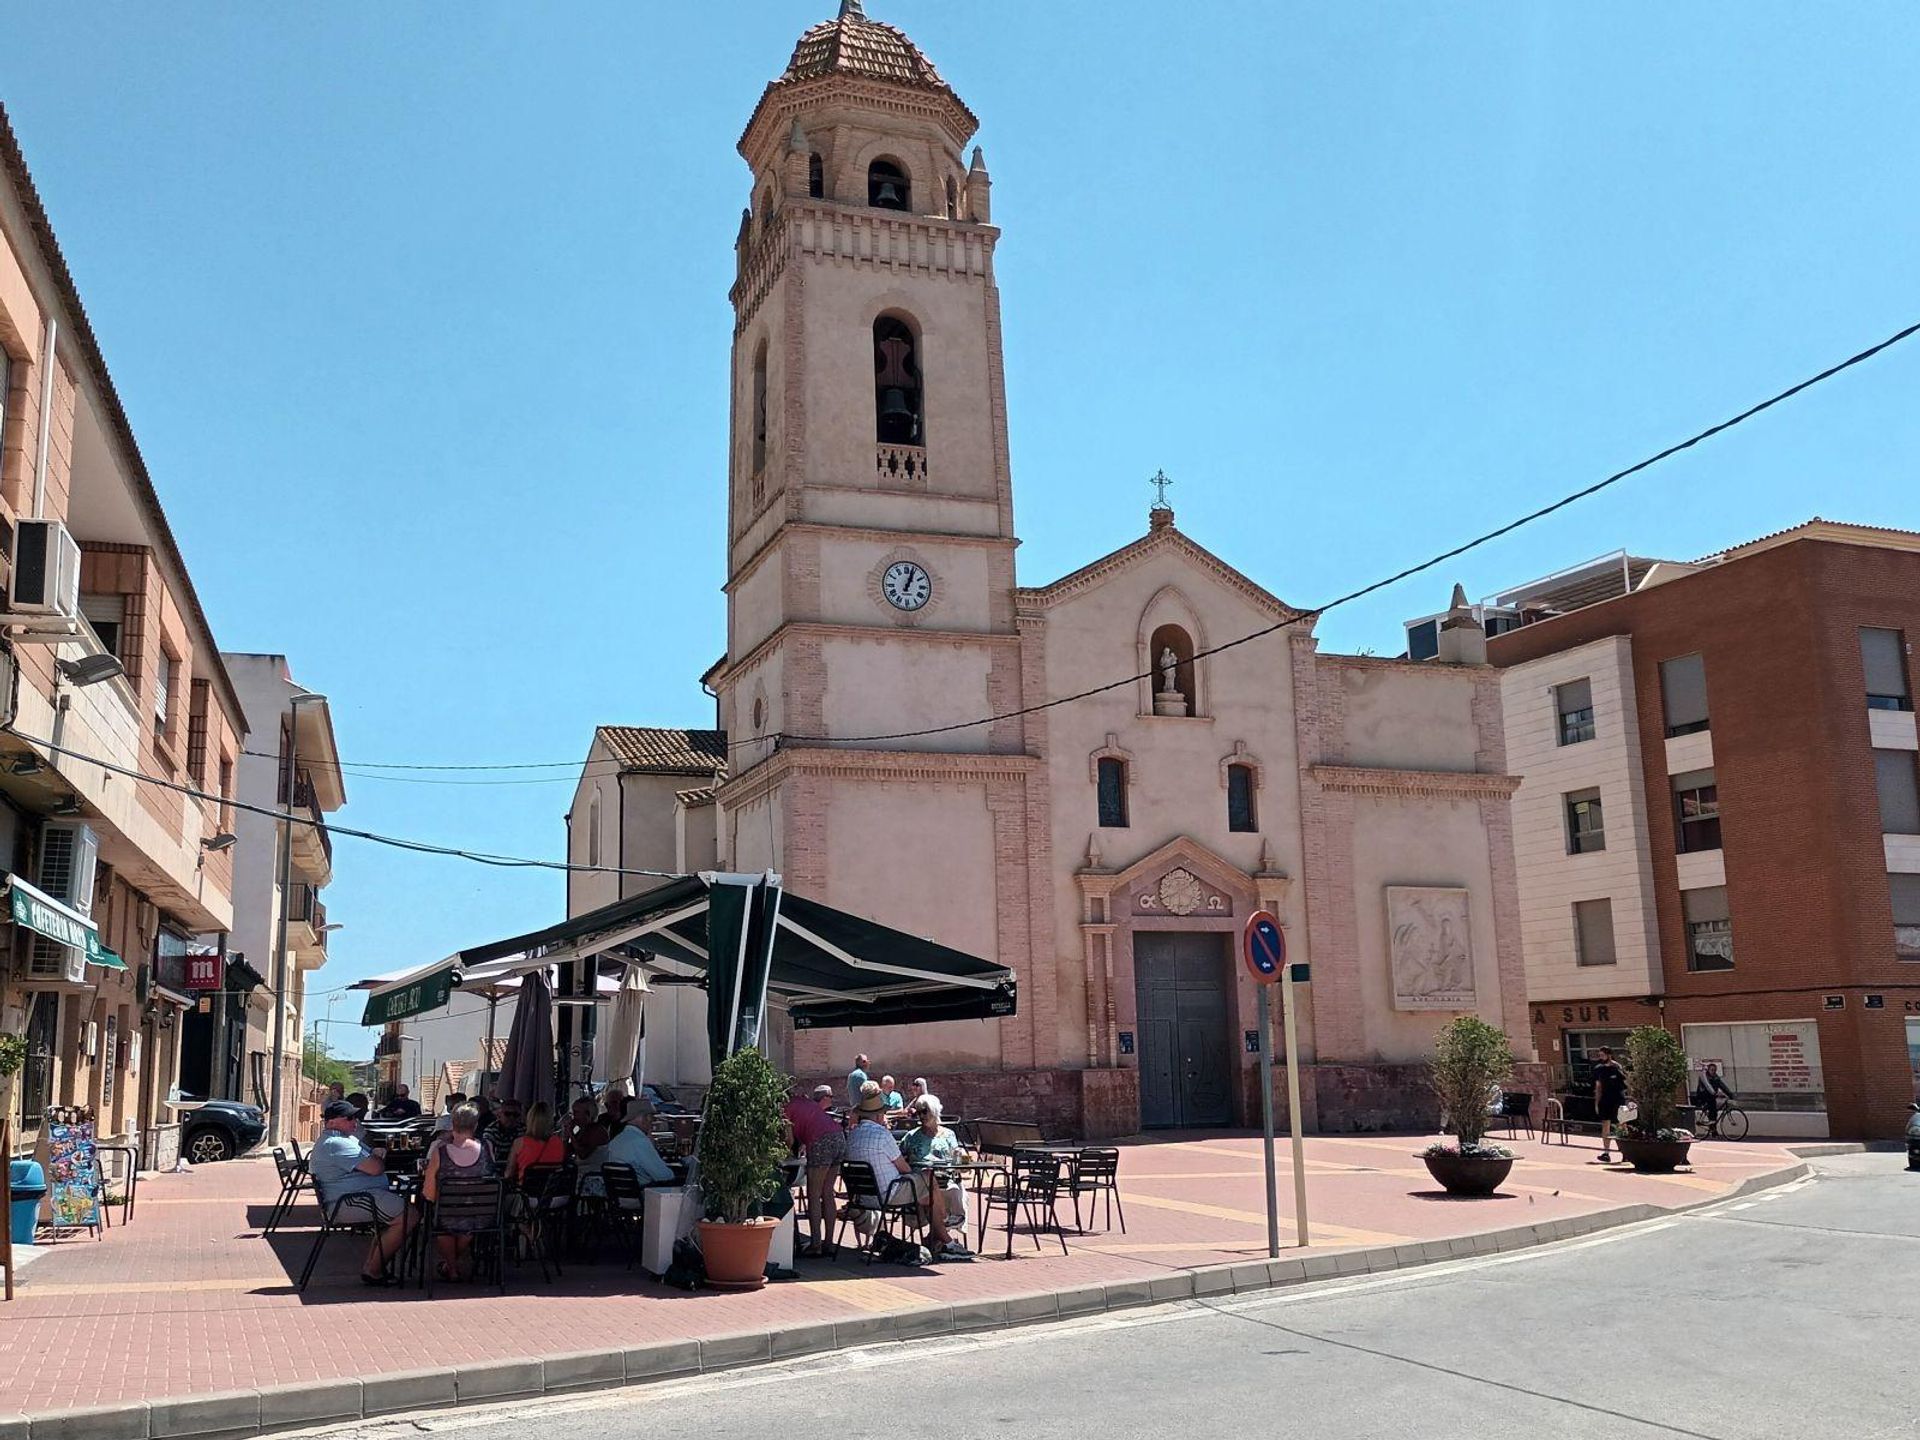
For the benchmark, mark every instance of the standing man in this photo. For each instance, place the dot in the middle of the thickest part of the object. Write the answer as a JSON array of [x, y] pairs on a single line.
[[856, 1077], [1609, 1094]]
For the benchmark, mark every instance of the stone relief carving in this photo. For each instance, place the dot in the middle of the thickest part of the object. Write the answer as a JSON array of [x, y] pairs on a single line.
[[1181, 892], [1430, 945]]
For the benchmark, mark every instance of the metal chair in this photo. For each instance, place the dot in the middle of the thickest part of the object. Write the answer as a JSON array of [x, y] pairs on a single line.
[[358, 1202], [1516, 1112], [471, 1208], [862, 1191], [546, 1205], [624, 1207], [1093, 1173], [1032, 1185], [293, 1179]]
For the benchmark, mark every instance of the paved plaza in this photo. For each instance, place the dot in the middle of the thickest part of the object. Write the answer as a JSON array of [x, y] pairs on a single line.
[[191, 1299]]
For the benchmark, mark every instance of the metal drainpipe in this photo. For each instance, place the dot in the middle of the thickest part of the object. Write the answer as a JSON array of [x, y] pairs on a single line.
[[45, 423]]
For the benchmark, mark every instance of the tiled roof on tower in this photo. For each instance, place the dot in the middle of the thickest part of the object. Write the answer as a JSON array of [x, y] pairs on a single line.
[[851, 44]]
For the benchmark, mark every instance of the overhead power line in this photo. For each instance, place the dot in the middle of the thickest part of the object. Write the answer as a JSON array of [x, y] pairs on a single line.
[[423, 847], [577, 768]]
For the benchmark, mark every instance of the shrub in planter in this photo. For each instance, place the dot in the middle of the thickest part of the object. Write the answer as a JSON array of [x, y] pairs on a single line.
[[1470, 1057], [740, 1155], [1656, 1072]]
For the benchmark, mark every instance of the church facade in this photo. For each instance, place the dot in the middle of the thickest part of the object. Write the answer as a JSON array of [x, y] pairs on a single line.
[[879, 703]]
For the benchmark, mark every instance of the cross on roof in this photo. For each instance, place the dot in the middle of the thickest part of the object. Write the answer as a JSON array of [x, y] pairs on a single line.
[[1160, 482]]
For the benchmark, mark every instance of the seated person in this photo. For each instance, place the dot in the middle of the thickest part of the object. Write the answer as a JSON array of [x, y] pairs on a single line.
[[870, 1141], [895, 1100], [918, 1091], [630, 1147], [358, 1100], [457, 1155], [585, 1134], [342, 1165], [929, 1145], [444, 1122], [401, 1107], [538, 1146], [614, 1113], [509, 1121]]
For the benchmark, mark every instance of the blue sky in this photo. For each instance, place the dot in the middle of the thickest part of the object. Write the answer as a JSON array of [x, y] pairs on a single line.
[[421, 318]]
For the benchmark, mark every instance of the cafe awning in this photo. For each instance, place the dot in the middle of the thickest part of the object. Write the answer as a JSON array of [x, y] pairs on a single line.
[[33, 909], [827, 967]]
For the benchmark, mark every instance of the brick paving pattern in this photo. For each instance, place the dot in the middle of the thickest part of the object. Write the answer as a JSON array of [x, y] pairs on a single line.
[[191, 1299]]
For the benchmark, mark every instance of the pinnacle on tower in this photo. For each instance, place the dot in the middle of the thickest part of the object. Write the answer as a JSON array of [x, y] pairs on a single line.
[[852, 10]]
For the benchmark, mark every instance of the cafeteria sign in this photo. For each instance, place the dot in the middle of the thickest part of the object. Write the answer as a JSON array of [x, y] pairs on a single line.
[[46, 916], [428, 993]]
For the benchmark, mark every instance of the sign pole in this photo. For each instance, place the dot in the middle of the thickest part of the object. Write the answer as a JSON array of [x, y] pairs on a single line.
[[1293, 1118], [1266, 1114]]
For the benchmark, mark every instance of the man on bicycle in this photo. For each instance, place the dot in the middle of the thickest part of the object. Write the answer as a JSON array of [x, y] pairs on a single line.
[[1707, 1093]]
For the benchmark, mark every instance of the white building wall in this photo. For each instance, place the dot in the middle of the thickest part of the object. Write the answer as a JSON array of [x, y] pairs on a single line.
[[1551, 880]]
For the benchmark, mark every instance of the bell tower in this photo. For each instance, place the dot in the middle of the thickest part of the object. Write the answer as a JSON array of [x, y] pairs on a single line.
[[870, 516]]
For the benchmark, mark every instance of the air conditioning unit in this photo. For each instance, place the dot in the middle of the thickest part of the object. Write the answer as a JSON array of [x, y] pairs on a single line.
[[46, 570], [69, 856]]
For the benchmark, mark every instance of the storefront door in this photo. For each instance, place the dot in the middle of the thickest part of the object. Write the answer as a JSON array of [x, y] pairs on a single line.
[[1186, 1065]]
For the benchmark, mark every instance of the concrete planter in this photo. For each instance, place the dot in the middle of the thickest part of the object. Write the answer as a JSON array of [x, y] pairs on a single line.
[[1653, 1157], [1469, 1174]]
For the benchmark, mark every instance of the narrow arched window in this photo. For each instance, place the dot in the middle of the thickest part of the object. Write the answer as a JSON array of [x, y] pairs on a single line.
[[1112, 785], [887, 187], [758, 413], [816, 176], [766, 210], [953, 199], [896, 382], [1170, 653], [1240, 800], [593, 829]]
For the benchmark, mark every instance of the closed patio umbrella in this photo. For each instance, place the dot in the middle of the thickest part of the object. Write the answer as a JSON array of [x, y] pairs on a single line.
[[526, 1072], [624, 1029]]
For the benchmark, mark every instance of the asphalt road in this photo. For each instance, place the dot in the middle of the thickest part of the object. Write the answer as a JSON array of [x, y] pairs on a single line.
[[1793, 1313]]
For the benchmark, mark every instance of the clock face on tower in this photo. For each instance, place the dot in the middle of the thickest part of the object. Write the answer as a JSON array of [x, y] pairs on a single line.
[[906, 585]]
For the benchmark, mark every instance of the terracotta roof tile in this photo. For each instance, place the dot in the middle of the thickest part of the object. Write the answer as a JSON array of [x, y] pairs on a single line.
[[667, 752], [695, 798], [494, 1051], [855, 45]]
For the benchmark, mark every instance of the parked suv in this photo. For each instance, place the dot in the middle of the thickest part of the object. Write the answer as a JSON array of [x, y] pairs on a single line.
[[213, 1130]]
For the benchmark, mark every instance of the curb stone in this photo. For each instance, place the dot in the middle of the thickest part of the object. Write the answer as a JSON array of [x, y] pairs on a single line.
[[284, 1407]]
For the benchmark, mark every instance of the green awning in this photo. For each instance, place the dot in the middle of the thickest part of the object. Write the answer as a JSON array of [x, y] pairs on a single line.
[[425, 992], [33, 909]]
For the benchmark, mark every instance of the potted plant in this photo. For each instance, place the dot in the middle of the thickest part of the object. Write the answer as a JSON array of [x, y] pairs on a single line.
[[1656, 1071], [1470, 1058], [13, 1054], [740, 1155]]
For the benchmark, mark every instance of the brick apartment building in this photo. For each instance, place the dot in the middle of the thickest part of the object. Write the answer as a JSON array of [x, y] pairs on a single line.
[[1719, 825]]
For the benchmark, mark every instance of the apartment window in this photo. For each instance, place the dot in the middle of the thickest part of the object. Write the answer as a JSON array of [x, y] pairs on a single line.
[[1883, 655], [1906, 916], [163, 691], [1573, 703], [1696, 809], [1240, 798], [1593, 932], [1683, 690], [106, 615], [1899, 784], [226, 791], [1709, 928], [1113, 794], [198, 694], [1586, 823], [1423, 640]]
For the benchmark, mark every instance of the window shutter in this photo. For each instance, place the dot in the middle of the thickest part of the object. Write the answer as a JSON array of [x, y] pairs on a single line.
[[1574, 696], [1883, 655], [1707, 904], [1683, 686], [1906, 898], [1899, 791], [1593, 931]]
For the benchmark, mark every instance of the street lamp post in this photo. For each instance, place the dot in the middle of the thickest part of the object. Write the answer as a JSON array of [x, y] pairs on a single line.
[[276, 1099]]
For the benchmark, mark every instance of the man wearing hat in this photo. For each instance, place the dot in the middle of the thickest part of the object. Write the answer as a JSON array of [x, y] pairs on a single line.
[[818, 1135], [342, 1165], [871, 1141]]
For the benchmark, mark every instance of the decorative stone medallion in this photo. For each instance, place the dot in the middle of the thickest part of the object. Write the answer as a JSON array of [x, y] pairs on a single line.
[[1180, 892]]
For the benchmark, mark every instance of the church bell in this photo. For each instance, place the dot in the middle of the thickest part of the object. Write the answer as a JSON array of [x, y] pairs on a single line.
[[888, 196], [894, 407]]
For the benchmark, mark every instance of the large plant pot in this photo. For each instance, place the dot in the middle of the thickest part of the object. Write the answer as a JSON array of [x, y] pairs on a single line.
[[1653, 1157], [736, 1255], [1469, 1174]]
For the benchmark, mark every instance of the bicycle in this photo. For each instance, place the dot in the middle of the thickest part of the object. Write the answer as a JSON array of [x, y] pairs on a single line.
[[1729, 1124]]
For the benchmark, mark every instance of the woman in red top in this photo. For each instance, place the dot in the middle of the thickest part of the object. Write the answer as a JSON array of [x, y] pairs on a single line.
[[818, 1135], [539, 1146]]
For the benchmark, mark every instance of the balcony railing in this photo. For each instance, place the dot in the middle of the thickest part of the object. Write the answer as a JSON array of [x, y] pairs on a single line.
[[902, 465]]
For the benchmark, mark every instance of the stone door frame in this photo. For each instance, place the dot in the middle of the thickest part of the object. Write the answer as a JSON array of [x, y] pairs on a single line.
[[1113, 912]]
